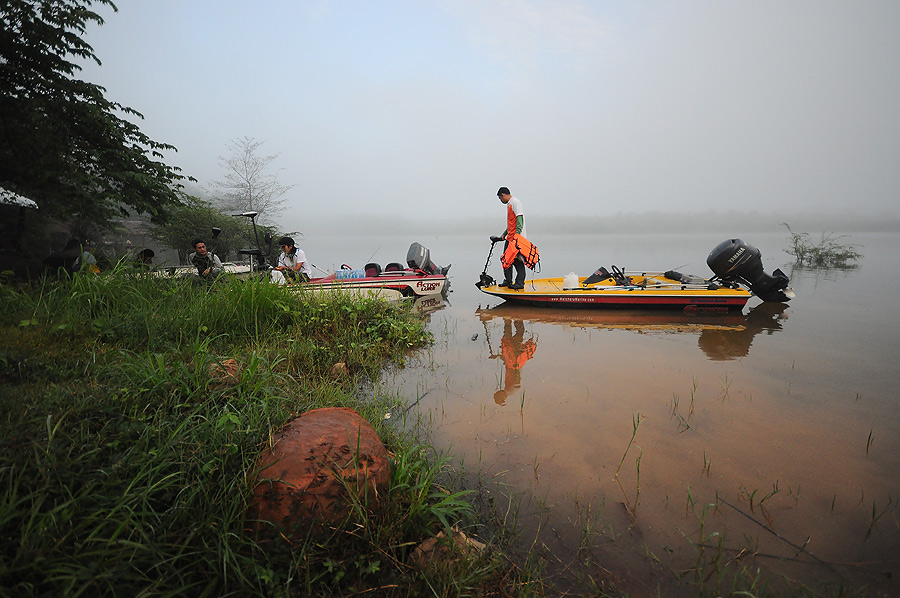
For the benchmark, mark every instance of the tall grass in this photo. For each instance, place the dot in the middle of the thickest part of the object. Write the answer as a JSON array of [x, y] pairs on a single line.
[[126, 463]]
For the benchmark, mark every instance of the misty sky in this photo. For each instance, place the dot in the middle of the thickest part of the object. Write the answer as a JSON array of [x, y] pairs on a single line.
[[424, 108]]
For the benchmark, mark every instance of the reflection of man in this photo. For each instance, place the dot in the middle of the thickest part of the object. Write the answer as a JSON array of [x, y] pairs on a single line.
[[514, 351]]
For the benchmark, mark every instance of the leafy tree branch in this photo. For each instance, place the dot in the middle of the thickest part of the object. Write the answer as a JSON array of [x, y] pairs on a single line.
[[62, 142]]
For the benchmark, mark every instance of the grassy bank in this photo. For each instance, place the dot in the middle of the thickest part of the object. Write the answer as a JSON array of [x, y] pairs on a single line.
[[126, 462]]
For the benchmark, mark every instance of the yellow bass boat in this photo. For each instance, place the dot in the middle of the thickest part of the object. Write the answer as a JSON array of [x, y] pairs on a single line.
[[738, 276]]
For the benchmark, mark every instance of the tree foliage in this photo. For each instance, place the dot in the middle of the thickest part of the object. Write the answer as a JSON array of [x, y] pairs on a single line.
[[196, 219], [248, 186], [62, 143]]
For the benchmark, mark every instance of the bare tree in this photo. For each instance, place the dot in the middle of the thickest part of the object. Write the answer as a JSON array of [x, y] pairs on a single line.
[[248, 186]]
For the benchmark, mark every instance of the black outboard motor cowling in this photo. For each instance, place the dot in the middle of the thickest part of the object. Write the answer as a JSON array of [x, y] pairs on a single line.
[[419, 258], [735, 261]]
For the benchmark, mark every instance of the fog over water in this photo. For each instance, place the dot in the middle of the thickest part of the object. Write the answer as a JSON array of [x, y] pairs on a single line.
[[584, 109]]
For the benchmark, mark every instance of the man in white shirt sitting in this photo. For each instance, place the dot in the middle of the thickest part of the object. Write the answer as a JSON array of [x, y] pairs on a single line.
[[291, 264]]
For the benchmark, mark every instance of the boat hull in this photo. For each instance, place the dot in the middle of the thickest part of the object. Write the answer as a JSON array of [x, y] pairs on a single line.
[[407, 283], [647, 292]]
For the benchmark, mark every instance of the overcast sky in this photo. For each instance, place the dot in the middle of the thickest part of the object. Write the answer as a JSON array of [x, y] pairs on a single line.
[[425, 108]]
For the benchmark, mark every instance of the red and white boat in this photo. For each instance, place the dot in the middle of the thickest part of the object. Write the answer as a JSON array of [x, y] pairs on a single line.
[[420, 277]]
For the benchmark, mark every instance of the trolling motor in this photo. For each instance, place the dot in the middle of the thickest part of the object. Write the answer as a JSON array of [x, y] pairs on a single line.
[[256, 255], [485, 280], [734, 261]]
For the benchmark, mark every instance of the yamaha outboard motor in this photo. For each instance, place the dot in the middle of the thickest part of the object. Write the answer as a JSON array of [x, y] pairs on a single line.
[[419, 258], [735, 261]]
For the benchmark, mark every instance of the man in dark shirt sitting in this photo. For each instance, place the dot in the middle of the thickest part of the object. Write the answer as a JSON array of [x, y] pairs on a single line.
[[208, 265]]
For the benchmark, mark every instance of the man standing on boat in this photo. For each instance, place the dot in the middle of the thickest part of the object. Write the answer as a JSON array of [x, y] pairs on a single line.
[[291, 263], [517, 251]]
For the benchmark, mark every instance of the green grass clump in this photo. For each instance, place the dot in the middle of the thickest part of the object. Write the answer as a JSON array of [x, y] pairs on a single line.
[[126, 462], [827, 253]]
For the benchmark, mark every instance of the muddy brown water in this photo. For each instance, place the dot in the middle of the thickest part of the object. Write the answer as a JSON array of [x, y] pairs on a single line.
[[642, 444]]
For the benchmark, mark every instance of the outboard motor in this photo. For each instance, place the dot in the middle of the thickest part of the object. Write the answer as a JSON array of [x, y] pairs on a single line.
[[736, 261], [418, 257]]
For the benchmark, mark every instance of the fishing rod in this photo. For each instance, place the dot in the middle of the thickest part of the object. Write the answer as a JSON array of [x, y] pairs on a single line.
[[325, 272], [373, 254]]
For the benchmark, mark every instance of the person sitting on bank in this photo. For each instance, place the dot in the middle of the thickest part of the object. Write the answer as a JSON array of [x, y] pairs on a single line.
[[73, 257], [291, 264], [145, 257], [208, 264]]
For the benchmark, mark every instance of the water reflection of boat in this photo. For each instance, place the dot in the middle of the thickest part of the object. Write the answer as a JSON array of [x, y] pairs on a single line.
[[429, 303], [722, 345], [423, 304], [721, 337]]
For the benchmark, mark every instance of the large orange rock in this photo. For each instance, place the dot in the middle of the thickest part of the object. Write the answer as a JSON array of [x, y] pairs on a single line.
[[315, 458]]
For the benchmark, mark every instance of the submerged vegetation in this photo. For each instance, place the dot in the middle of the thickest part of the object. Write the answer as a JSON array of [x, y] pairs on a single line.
[[126, 465], [827, 253]]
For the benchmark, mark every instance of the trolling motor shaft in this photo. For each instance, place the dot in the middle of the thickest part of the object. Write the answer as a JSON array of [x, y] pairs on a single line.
[[485, 280]]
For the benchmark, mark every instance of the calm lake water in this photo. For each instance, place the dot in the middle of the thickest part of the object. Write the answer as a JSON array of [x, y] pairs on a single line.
[[768, 440]]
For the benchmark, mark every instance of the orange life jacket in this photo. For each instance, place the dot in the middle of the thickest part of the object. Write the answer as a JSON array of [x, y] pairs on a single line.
[[517, 244]]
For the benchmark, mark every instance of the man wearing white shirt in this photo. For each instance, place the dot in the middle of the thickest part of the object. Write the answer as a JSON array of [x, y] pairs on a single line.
[[291, 263], [515, 225]]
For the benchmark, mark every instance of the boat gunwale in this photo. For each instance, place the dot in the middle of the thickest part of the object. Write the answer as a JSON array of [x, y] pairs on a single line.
[[667, 295]]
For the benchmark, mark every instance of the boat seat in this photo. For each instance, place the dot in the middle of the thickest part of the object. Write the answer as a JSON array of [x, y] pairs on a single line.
[[599, 274], [394, 267], [372, 269]]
